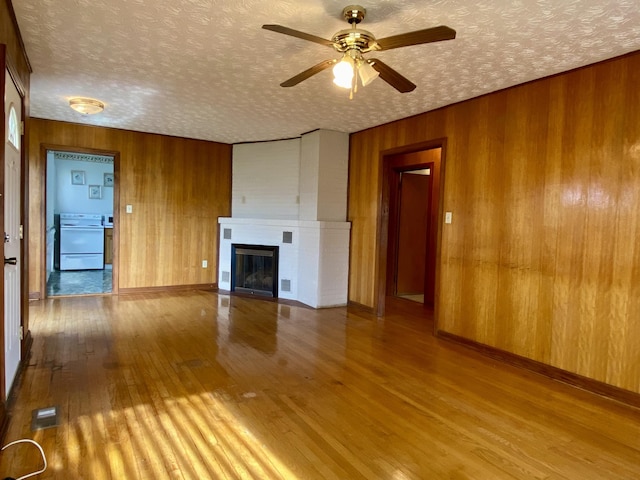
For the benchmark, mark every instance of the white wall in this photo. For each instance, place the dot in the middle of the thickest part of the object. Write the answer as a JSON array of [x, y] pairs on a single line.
[[75, 198], [51, 190], [265, 180], [324, 159], [309, 175], [50, 217]]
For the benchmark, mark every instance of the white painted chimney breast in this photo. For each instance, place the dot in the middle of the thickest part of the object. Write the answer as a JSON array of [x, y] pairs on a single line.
[[299, 186]]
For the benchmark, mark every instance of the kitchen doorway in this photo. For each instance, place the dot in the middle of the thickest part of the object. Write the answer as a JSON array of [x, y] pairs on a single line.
[[410, 200], [79, 217]]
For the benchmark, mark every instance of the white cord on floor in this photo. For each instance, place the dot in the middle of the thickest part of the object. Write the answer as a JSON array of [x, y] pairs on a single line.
[[28, 440]]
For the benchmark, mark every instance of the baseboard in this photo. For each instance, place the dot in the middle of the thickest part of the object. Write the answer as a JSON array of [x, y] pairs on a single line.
[[34, 296], [595, 386], [168, 288], [4, 422], [360, 306], [280, 301]]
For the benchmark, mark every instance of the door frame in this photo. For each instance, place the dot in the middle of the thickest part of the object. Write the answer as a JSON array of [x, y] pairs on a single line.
[[11, 204], [25, 344], [44, 148], [385, 177], [395, 201]]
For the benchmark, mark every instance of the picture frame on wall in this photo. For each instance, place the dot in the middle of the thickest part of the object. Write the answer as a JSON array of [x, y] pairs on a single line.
[[77, 177], [108, 179], [95, 191]]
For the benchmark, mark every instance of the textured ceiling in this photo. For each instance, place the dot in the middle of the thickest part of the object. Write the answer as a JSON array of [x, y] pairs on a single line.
[[206, 69]]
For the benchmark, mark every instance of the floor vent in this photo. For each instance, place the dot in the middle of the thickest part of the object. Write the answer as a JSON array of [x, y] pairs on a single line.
[[42, 418]]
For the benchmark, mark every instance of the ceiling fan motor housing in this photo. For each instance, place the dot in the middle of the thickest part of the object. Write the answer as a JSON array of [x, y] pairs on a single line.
[[353, 13], [354, 38]]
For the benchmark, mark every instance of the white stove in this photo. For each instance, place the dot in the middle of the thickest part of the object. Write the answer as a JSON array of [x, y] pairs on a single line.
[[81, 241]]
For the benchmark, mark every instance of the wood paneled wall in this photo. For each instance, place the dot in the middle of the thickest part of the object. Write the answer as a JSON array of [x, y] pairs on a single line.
[[178, 188], [16, 57], [542, 258]]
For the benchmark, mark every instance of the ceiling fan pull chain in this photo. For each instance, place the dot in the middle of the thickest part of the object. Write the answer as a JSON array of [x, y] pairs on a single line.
[[355, 78]]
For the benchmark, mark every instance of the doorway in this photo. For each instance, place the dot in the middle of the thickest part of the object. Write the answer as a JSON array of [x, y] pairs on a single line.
[[410, 197], [79, 218], [411, 203]]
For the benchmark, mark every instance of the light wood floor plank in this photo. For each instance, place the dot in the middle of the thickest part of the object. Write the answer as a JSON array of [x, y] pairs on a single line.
[[196, 385]]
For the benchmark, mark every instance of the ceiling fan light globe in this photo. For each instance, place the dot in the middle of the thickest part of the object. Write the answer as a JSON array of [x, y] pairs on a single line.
[[342, 83], [367, 73], [343, 72]]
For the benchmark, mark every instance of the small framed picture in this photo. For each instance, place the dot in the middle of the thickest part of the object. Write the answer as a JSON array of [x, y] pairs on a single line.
[[95, 191], [77, 177], [108, 179]]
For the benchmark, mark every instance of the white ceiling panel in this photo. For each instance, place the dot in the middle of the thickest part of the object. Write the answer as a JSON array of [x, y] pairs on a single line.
[[206, 69]]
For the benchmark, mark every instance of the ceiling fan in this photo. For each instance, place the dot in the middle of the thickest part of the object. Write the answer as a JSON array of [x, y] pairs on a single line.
[[353, 43]]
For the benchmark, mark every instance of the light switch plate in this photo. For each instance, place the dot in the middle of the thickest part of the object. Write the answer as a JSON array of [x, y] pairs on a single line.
[[447, 217], [129, 208]]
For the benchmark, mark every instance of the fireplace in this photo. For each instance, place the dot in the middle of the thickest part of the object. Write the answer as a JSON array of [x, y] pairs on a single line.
[[254, 269]]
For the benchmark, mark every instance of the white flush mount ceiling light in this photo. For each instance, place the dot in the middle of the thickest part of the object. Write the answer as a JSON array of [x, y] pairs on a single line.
[[86, 106]]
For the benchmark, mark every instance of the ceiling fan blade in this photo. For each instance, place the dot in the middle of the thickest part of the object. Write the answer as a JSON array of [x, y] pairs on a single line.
[[308, 73], [298, 34], [393, 78], [428, 35]]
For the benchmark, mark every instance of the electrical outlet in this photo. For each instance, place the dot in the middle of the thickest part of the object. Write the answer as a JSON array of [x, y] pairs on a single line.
[[129, 208], [204, 264], [447, 217]]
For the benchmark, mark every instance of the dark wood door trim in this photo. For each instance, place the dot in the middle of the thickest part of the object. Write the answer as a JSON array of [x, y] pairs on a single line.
[[396, 169], [386, 174]]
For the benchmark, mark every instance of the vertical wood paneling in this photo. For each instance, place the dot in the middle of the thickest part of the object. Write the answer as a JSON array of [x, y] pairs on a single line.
[[17, 61], [542, 258], [364, 187], [178, 188]]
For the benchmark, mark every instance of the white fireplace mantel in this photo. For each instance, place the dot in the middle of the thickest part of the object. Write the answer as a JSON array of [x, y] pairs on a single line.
[[313, 267]]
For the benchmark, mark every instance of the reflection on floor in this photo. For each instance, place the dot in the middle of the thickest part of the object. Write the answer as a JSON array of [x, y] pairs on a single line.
[[413, 298], [79, 282]]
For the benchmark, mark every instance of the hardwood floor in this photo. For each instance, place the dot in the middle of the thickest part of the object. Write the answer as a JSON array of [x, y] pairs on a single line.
[[196, 385]]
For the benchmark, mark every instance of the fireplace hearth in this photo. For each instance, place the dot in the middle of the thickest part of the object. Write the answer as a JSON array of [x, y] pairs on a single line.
[[254, 269]]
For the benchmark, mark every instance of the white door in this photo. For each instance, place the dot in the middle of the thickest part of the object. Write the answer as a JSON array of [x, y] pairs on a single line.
[[12, 234]]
